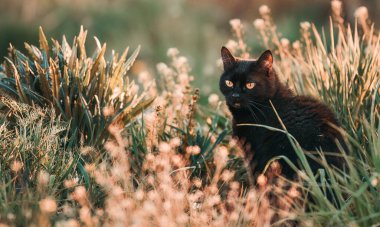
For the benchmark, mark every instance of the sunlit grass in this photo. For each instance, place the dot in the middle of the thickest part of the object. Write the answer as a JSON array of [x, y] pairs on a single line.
[[77, 151]]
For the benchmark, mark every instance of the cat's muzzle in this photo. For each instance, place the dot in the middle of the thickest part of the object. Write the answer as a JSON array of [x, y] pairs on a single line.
[[235, 100]]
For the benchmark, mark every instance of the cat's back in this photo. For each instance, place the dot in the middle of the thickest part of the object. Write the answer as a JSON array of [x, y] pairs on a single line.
[[305, 107], [307, 118]]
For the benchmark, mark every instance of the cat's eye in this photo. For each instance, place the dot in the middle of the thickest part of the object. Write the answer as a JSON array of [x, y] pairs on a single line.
[[250, 85], [229, 83]]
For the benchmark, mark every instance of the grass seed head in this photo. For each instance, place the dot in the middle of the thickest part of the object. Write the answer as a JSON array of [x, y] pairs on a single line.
[[48, 205]]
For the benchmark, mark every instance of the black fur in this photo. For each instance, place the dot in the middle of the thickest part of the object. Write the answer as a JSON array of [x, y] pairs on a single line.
[[307, 119]]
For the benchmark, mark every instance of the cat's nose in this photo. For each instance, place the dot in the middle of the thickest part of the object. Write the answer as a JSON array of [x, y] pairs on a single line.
[[236, 100], [235, 95]]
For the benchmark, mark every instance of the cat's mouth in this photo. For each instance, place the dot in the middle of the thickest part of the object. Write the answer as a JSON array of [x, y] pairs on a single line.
[[236, 105]]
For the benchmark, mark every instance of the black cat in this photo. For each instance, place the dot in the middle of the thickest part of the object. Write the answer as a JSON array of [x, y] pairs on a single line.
[[249, 86]]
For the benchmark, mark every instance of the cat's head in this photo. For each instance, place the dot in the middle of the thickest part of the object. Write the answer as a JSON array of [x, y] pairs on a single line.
[[245, 82]]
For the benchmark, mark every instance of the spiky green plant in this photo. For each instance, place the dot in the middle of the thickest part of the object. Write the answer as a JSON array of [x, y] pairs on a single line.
[[78, 87]]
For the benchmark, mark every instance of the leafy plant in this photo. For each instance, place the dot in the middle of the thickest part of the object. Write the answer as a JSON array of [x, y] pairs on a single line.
[[89, 92]]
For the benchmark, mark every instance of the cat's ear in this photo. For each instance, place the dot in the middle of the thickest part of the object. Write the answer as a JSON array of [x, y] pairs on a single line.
[[227, 58], [266, 60]]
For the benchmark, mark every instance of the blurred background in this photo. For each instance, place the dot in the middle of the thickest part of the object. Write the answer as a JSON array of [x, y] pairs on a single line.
[[197, 28]]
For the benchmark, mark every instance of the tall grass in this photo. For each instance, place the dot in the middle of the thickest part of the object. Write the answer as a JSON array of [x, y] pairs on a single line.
[[341, 67], [176, 163], [34, 164]]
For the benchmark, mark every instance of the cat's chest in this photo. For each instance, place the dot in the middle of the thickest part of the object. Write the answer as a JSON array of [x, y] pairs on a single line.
[[255, 136], [263, 133]]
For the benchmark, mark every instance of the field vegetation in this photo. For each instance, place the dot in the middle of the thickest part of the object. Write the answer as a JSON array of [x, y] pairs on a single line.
[[84, 143]]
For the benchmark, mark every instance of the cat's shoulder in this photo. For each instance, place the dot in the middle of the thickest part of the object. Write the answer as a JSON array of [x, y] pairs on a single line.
[[311, 105], [311, 102], [304, 100], [298, 101]]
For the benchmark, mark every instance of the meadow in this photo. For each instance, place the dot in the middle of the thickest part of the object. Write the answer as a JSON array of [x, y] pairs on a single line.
[[84, 143]]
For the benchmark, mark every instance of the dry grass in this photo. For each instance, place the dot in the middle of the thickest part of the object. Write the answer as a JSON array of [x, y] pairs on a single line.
[[175, 164]]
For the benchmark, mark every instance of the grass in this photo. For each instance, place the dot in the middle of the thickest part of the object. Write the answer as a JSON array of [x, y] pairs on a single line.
[[82, 146]]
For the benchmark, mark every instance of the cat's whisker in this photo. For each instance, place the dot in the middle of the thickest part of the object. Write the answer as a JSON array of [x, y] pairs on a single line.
[[262, 113], [253, 114], [259, 104]]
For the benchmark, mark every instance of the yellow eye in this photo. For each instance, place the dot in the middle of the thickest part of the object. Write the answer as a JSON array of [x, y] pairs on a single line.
[[250, 85], [229, 83]]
